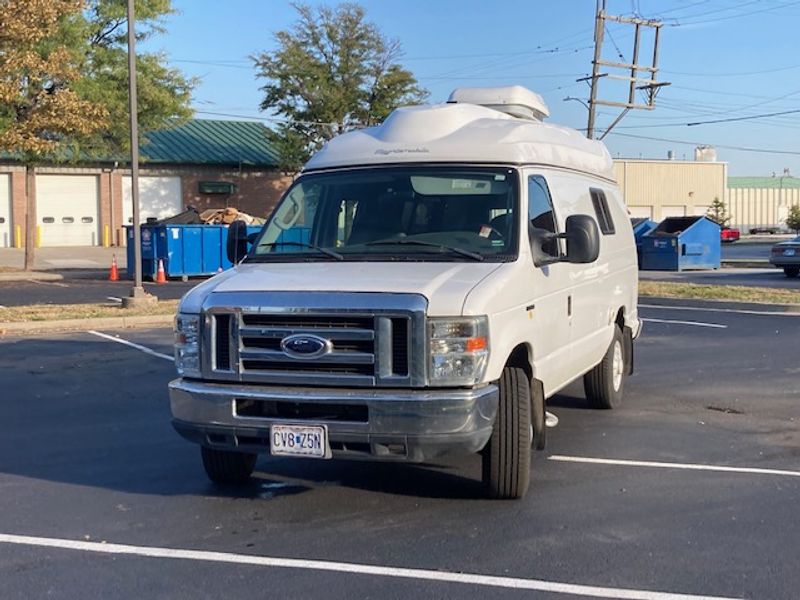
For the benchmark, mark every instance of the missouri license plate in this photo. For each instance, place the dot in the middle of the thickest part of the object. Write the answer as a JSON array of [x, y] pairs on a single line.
[[789, 252], [299, 440]]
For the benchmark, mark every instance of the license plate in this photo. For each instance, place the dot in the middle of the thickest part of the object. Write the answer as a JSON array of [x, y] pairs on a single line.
[[299, 440], [789, 252]]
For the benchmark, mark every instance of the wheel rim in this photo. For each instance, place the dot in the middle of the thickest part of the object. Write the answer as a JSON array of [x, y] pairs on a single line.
[[617, 366]]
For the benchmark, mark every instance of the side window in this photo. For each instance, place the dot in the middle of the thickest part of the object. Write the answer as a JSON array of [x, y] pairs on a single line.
[[540, 212], [601, 210]]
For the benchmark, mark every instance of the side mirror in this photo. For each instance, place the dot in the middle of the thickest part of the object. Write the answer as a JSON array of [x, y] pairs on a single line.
[[236, 247], [583, 239]]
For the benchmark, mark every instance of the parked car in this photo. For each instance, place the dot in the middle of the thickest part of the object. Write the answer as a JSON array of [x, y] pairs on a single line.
[[728, 235], [464, 262], [786, 256], [769, 230]]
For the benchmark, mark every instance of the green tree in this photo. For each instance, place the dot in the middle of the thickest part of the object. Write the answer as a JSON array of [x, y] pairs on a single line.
[[332, 72], [793, 219], [718, 213], [163, 94], [64, 83]]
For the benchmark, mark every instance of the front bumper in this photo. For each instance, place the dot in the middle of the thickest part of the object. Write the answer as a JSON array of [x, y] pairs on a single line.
[[402, 425], [781, 261]]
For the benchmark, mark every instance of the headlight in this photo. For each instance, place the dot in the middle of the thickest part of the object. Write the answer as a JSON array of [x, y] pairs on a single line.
[[187, 345], [458, 349]]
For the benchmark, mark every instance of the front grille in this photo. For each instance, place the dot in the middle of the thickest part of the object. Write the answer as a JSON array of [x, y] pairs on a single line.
[[381, 346], [222, 341]]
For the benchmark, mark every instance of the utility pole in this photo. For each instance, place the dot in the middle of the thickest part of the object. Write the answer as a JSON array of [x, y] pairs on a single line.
[[138, 295], [648, 83]]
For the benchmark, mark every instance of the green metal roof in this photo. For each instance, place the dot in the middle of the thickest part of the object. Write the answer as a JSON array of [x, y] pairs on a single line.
[[211, 142], [201, 142], [764, 182]]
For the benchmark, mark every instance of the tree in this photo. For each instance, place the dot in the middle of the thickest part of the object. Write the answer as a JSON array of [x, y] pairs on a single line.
[[793, 219], [332, 72], [718, 213], [64, 83], [39, 107], [163, 94]]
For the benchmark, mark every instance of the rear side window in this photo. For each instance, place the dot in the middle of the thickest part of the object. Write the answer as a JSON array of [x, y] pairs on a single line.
[[601, 210]]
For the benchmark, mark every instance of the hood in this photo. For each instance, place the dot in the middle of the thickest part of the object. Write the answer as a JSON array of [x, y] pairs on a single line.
[[445, 285]]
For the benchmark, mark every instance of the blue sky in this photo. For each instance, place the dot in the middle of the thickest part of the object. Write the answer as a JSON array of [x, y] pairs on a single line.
[[724, 58]]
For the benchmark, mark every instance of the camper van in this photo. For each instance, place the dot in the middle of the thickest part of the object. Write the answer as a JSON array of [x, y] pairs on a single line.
[[422, 288]]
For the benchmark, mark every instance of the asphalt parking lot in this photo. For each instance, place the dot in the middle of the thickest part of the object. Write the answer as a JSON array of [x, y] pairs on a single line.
[[688, 491]]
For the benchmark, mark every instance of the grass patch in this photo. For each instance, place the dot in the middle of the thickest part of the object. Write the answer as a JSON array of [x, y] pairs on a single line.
[[54, 312], [733, 293]]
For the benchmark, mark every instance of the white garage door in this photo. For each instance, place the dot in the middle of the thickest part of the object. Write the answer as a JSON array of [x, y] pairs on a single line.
[[159, 197], [673, 211], [6, 238], [67, 209], [641, 212]]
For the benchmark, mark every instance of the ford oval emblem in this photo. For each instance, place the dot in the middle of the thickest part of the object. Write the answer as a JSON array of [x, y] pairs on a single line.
[[305, 346]]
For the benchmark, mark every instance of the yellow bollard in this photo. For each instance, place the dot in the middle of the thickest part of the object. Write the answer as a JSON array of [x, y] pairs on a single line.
[[38, 236], [106, 236], [18, 236]]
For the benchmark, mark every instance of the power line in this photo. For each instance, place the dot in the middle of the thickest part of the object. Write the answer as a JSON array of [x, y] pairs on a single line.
[[688, 143], [731, 119], [739, 74]]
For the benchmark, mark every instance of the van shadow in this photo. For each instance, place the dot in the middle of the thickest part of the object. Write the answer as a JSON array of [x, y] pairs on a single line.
[[82, 411]]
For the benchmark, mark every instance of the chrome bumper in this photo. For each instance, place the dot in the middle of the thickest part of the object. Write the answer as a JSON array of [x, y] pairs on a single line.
[[406, 425]]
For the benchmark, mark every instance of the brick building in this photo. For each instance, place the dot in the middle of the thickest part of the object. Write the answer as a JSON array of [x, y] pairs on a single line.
[[202, 163]]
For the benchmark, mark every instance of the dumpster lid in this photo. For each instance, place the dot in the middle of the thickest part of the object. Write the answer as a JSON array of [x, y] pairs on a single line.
[[675, 225]]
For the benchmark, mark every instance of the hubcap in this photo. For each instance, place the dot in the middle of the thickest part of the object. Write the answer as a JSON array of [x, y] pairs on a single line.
[[617, 366]]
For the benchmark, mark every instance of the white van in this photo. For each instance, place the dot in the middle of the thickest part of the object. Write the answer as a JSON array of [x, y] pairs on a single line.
[[422, 288]]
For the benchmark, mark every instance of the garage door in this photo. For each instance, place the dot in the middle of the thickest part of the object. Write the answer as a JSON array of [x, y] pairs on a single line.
[[673, 211], [159, 197], [6, 239], [66, 209], [641, 212]]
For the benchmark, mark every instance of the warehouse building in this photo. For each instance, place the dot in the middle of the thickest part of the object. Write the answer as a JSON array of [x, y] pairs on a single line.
[[657, 189], [202, 163]]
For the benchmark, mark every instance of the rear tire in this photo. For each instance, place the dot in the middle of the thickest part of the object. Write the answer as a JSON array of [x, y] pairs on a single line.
[[228, 466], [507, 456], [605, 383], [791, 272]]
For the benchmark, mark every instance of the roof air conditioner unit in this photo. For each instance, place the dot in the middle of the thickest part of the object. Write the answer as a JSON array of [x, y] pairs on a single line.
[[513, 100]]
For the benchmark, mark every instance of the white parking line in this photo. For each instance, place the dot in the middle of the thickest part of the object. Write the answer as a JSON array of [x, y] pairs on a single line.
[[139, 347], [693, 323], [672, 465], [763, 313], [47, 283], [589, 591]]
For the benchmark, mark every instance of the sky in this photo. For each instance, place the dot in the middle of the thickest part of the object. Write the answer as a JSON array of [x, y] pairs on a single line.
[[725, 60]]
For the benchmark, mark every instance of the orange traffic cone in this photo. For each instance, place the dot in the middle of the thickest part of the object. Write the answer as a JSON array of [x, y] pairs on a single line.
[[161, 277], [113, 274]]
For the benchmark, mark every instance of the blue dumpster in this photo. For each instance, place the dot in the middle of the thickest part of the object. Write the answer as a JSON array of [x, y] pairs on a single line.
[[641, 227], [682, 243], [187, 250]]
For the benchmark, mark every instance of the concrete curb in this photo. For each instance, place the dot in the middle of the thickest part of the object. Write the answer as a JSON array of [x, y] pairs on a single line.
[[30, 275], [746, 263], [778, 309], [36, 327]]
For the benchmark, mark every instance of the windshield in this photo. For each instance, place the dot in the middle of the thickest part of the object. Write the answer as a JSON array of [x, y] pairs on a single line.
[[405, 213]]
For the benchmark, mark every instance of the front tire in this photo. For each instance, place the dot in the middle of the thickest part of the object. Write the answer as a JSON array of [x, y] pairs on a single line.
[[507, 456], [791, 272], [228, 466], [604, 384]]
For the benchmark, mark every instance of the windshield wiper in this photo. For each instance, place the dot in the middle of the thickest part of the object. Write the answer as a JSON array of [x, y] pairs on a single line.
[[324, 251], [441, 247]]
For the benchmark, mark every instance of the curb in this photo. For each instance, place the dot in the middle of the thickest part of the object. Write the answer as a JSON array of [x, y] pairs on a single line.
[[35, 327], [30, 275], [778, 309], [745, 263]]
